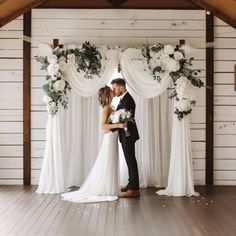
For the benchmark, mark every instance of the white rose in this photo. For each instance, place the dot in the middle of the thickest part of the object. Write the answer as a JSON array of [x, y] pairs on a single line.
[[154, 63], [59, 85], [61, 58], [53, 69], [134, 53], [183, 82], [183, 94], [47, 99], [169, 49], [128, 115], [52, 104], [71, 59], [52, 59], [183, 105], [184, 89], [156, 55], [172, 65], [164, 58], [62, 65], [178, 55], [122, 116], [54, 78]]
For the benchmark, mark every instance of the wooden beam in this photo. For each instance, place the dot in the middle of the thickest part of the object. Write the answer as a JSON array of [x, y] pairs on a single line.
[[214, 11], [55, 43], [106, 4], [26, 100], [209, 99], [21, 11]]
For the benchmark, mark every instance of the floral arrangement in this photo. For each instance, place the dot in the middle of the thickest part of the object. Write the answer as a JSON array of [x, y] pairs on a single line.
[[120, 116], [56, 61], [164, 59]]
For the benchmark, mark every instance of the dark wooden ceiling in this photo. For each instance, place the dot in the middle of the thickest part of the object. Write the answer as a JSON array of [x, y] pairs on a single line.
[[144, 4], [224, 9]]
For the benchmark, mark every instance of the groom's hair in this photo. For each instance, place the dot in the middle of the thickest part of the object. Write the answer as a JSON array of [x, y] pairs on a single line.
[[118, 81]]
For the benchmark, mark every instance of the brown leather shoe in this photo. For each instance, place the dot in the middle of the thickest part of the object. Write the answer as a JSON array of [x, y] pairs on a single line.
[[125, 188], [130, 193]]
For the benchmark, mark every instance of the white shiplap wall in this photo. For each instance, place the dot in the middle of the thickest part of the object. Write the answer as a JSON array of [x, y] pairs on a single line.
[[123, 27], [225, 104], [11, 105]]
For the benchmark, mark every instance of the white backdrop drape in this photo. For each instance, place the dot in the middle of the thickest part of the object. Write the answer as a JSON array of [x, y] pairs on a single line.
[[74, 135]]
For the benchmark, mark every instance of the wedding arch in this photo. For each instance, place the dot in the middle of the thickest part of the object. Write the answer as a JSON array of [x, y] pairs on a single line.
[[80, 71]]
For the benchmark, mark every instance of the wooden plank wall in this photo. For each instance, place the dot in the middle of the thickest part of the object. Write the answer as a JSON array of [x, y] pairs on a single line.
[[11, 103], [123, 27], [225, 104]]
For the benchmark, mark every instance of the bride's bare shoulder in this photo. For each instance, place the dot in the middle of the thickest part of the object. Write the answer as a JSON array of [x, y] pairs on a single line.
[[107, 109]]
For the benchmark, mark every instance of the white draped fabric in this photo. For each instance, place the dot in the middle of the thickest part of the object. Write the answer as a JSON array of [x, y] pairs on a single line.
[[180, 180], [89, 87], [73, 136], [138, 77]]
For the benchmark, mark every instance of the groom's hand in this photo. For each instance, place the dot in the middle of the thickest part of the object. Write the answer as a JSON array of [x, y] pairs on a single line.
[[113, 130]]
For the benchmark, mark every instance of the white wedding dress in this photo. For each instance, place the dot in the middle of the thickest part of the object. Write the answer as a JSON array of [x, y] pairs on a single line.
[[102, 183]]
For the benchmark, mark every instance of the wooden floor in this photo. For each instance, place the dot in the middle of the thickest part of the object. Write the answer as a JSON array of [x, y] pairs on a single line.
[[24, 212]]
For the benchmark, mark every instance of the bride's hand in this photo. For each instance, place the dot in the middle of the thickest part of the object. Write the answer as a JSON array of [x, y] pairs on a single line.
[[122, 126], [106, 131]]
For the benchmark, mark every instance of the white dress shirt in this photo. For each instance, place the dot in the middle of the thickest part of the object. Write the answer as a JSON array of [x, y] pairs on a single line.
[[121, 97]]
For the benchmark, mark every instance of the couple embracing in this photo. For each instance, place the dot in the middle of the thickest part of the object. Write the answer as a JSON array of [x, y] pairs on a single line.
[[102, 183]]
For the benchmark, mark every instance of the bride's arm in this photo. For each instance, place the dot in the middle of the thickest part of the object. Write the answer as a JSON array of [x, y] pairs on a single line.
[[105, 126]]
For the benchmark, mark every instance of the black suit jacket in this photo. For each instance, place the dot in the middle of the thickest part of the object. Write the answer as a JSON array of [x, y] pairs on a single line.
[[128, 103]]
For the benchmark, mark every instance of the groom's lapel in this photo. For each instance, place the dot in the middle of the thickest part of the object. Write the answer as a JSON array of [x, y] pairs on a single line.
[[122, 100]]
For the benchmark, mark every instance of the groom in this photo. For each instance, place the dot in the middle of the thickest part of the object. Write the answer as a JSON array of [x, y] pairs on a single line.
[[128, 141]]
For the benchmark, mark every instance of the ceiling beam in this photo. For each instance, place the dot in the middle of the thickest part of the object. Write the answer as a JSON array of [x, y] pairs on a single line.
[[117, 3], [19, 12], [216, 11]]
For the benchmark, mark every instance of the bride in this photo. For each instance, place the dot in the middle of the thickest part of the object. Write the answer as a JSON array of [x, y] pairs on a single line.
[[102, 183]]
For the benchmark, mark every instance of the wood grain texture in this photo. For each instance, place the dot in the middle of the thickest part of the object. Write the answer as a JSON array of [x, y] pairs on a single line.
[[209, 100], [26, 100], [24, 212]]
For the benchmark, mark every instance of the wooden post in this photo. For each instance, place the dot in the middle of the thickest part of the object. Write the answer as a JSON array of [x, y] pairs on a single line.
[[181, 42], [209, 100], [55, 43], [26, 100]]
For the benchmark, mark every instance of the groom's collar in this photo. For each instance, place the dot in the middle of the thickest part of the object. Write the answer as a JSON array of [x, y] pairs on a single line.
[[122, 96]]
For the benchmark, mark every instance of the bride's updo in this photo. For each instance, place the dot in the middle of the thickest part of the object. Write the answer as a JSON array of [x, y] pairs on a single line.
[[104, 96]]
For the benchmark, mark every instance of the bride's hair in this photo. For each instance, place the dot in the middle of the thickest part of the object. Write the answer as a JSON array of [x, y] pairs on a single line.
[[104, 96]]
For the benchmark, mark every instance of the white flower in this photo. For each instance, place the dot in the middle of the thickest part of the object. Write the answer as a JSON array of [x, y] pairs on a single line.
[[183, 105], [52, 59], [87, 63], [52, 104], [71, 59], [194, 73], [178, 55], [47, 99], [184, 89], [120, 115], [164, 58], [61, 58], [154, 63], [54, 78], [134, 53], [62, 65], [172, 65], [59, 85], [169, 49], [183, 82], [53, 69]]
